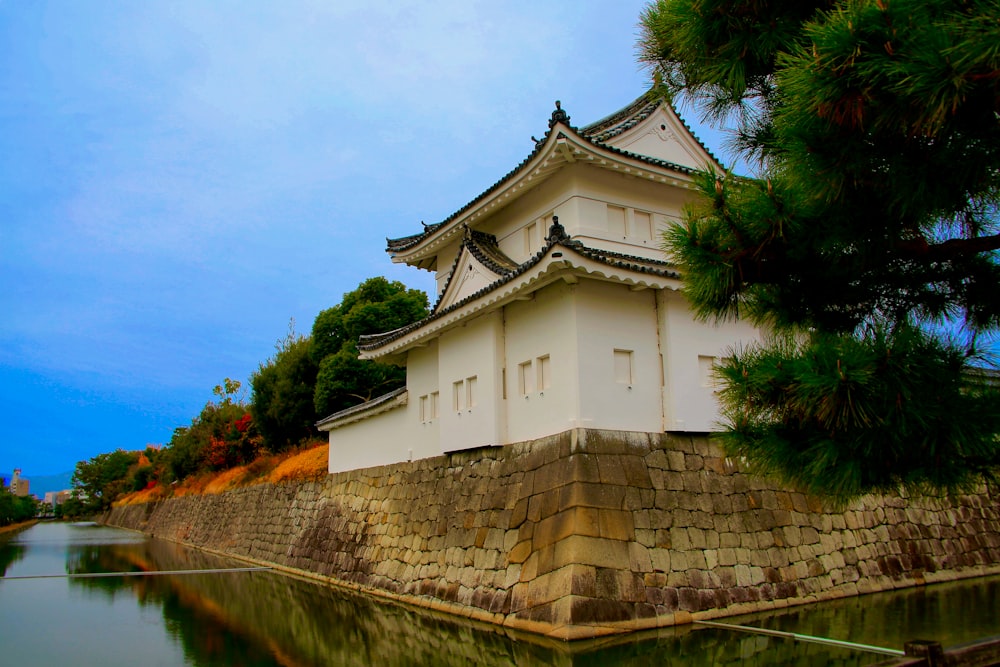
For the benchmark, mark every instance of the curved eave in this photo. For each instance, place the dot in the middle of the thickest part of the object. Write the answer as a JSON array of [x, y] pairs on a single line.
[[563, 145], [557, 262], [376, 406]]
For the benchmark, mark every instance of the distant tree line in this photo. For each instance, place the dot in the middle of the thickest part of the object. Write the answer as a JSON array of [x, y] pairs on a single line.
[[307, 378], [15, 509]]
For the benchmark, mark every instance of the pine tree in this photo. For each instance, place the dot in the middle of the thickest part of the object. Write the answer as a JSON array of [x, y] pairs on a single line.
[[867, 243]]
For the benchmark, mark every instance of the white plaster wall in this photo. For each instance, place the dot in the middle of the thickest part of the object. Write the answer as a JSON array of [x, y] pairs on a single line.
[[473, 350], [421, 380], [612, 317], [445, 260], [689, 400], [579, 194], [396, 435], [382, 439], [543, 327], [596, 189], [535, 207]]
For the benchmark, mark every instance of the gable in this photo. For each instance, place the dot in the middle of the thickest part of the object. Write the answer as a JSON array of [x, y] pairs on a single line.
[[468, 277], [479, 263], [662, 135]]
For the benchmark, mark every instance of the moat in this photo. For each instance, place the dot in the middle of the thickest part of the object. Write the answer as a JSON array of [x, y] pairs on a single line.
[[253, 617]]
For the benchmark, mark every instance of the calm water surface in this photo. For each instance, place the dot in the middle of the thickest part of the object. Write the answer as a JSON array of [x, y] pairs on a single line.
[[266, 618]]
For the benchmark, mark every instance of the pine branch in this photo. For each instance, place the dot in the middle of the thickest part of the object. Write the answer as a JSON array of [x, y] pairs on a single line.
[[950, 249]]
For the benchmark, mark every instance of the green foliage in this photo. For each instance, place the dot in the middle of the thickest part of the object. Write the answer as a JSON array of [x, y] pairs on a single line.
[[15, 509], [344, 380], [872, 227], [283, 387], [72, 508], [842, 416], [100, 480], [229, 391], [141, 477], [193, 448], [376, 305]]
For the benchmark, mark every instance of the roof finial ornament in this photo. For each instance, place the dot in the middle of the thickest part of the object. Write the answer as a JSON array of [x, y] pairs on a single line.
[[558, 116], [557, 234]]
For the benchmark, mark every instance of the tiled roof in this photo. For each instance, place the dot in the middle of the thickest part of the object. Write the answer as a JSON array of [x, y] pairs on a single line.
[[407, 241], [622, 120], [627, 118], [363, 407], [595, 134], [557, 236], [484, 248]]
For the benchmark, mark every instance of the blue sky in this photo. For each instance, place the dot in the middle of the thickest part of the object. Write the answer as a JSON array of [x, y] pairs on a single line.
[[179, 180]]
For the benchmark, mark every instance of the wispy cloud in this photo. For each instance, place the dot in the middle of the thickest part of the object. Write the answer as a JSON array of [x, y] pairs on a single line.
[[182, 178]]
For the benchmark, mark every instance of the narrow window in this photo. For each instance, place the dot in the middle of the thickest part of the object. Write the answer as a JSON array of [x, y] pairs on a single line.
[[623, 367], [616, 221], [532, 242], [470, 391], [544, 373], [434, 404], [706, 370], [525, 379], [457, 395], [642, 225], [503, 383], [425, 412]]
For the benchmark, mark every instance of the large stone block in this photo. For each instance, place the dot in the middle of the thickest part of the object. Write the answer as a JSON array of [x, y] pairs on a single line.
[[577, 524]]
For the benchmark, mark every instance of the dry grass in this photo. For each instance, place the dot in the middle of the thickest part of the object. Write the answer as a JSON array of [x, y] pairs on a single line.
[[17, 526], [144, 496], [309, 462]]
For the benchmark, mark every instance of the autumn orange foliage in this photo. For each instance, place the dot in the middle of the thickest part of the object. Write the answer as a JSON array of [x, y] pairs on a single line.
[[309, 462]]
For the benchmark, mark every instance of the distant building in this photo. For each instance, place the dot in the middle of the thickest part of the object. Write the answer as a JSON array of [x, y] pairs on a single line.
[[18, 485], [56, 498]]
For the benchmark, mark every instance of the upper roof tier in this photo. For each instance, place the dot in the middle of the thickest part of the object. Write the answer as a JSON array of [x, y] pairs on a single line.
[[646, 136], [483, 279]]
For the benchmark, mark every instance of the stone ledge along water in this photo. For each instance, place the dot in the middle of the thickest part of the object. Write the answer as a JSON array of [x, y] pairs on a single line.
[[584, 534]]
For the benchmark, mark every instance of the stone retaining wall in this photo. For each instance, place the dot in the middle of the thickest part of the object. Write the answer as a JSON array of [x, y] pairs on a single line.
[[585, 533]]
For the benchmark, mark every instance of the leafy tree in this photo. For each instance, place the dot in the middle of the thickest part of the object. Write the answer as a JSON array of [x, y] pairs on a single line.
[[376, 305], [103, 478], [281, 403], [71, 508], [221, 436], [867, 242], [15, 509]]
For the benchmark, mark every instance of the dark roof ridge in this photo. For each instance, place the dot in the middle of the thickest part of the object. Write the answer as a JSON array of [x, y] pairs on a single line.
[[362, 407], [650, 97], [557, 236], [600, 131], [486, 249], [469, 242]]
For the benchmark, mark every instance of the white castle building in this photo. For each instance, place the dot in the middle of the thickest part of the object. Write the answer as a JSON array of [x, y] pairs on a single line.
[[557, 309]]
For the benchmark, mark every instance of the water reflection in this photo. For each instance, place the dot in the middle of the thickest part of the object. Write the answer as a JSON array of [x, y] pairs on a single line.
[[265, 618], [9, 556]]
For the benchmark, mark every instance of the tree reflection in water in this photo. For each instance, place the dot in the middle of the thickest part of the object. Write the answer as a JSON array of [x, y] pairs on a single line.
[[10, 553], [265, 618]]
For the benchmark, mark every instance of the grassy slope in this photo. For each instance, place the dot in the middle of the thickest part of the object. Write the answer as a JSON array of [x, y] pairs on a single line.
[[310, 463]]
